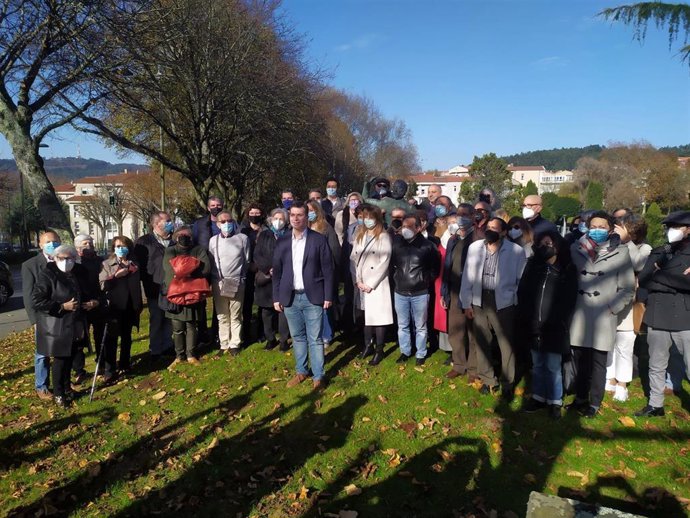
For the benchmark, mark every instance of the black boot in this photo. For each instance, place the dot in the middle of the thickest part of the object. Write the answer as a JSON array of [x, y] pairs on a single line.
[[368, 350], [378, 356]]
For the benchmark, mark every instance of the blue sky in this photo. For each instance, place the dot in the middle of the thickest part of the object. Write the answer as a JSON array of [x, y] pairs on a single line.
[[477, 76]]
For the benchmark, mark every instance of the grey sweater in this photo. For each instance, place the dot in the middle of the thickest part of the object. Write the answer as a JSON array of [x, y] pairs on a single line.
[[230, 256]]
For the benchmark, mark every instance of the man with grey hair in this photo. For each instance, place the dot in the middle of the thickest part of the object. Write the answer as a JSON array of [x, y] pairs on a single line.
[[148, 253], [87, 257]]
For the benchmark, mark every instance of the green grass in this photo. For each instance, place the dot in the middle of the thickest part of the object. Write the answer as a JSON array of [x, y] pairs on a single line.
[[228, 439]]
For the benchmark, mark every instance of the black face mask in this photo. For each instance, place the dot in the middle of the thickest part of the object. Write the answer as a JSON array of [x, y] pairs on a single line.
[[184, 240], [215, 211], [478, 217], [255, 219], [544, 252], [396, 224], [492, 236]]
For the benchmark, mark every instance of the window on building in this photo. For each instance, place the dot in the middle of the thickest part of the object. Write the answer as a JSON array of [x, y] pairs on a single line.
[[522, 176]]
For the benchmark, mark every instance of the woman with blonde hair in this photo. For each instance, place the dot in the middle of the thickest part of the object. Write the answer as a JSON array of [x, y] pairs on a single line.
[[520, 232], [318, 223], [370, 259]]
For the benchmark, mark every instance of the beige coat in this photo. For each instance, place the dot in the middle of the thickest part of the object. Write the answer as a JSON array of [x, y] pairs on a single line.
[[369, 265]]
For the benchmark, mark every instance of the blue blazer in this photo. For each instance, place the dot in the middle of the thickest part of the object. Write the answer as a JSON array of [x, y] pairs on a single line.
[[317, 269]]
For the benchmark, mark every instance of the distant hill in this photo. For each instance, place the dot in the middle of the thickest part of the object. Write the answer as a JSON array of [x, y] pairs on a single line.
[[567, 157], [71, 168]]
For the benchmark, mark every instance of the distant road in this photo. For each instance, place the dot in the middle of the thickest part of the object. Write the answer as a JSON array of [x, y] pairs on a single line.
[[13, 317]]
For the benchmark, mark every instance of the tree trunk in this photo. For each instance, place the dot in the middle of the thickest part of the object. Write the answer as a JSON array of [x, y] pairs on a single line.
[[30, 165]]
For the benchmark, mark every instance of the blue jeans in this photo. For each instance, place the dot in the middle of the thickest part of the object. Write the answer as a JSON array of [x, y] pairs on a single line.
[[305, 321], [412, 309], [41, 371], [547, 377]]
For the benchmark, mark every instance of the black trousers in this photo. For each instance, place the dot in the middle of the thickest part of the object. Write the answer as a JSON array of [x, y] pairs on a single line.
[[590, 378], [184, 338], [376, 333], [61, 367], [79, 360], [120, 326], [274, 322]]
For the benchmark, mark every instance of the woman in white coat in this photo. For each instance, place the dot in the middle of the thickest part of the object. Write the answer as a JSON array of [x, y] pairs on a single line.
[[370, 258]]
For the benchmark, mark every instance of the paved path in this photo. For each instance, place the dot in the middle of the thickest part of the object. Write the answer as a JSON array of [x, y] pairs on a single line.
[[13, 317]]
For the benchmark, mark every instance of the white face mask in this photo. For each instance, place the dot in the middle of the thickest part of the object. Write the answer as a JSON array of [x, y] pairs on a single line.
[[528, 213], [65, 265], [515, 233], [453, 228], [278, 224], [407, 233], [675, 234]]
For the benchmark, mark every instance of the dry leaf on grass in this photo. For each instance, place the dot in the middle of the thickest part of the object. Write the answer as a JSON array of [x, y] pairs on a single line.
[[352, 490], [158, 396], [627, 421], [382, 399], [303, 493], [124, 417]]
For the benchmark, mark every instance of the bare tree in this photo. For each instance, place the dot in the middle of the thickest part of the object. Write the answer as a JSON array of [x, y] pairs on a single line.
[[49, 53], [96, 210]]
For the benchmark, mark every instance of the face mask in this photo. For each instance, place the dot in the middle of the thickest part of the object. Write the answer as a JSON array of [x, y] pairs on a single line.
[[528, 213], [65, 265], [311, 216], [228, 227], [453, 228], [353, 204], [492, 236], [582, 227], [440, 211], [383, 191], [479, 216], [675, 234], [360, 221], [184, 240], [287, 204], [331, 191], [369, 223], [465, 222], [278, 224], [396, 224], [515, 233], [215, 211], [545, 252], [407, 233], [88, 252], [121, 251], [50, 247], [168, 227], [598, 235], [255, 219]]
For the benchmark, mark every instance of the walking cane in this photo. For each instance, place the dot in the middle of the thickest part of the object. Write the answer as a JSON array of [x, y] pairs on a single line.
[[98, 362]]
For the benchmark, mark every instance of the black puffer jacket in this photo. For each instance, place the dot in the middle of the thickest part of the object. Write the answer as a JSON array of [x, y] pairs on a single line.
[[415, 265], [668, 299], [546, 300], [57, 330]]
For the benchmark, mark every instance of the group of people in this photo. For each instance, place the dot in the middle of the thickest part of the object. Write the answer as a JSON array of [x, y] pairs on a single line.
[[504, 295]]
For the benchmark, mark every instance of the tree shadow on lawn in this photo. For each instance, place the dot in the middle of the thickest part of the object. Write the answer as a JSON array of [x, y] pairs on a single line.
[[241, 470], [456, 477], [13, 448], [13, 375], [157, 446]]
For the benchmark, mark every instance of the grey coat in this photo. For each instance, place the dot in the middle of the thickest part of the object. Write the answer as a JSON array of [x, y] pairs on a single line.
[[605, 290]]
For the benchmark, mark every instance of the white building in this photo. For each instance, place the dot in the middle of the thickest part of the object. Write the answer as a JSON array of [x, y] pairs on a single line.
[[449, 183], [82, 191], [546, 181]]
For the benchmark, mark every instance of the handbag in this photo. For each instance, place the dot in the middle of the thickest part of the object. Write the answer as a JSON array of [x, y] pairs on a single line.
[[638, 313], [227, 287]]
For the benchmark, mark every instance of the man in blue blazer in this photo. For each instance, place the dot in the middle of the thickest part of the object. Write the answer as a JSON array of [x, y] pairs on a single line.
[[303, 288]]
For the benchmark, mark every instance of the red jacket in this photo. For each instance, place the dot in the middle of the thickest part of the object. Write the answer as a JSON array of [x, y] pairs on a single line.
[[185, 290]]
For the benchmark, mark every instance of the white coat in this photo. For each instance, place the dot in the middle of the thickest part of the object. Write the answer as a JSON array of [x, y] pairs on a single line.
[[370, 266]]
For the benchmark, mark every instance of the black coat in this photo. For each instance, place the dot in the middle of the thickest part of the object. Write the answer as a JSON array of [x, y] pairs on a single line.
[[56, 330], [450, 283], [148, 254], [546, 300], [263, 258], [415, 265], [668, 299], [31, 270]]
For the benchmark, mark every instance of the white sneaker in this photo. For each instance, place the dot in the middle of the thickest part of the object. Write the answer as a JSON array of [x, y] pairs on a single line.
[[621, 393], [609, 387]]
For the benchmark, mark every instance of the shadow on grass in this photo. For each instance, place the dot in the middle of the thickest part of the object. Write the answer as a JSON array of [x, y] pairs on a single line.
[[13, 375]]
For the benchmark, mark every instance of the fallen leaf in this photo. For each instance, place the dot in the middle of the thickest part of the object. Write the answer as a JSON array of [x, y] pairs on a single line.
[[303, 493], [439, 411], [409, 428], [158, 396], [352, 490], [530, 478], [366, 419], [212, 444], [142, 402], [448, 457], [627, 421], [124, 417], [382, 399], [419, 369]]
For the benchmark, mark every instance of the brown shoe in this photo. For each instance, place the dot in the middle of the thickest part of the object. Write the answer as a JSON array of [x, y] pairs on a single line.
[[174, 364], [319, 385], [299, 378], [44, 394], [452, 374], [193, 361]]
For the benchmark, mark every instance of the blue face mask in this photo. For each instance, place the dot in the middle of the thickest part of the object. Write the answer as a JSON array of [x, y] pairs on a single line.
[[598, 235], [440, 211], [50, 247], [121, 251], [360, 221], [331, 191], [582, 227], [311, 216], [287, 204], [227, 228], [168, 227]]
